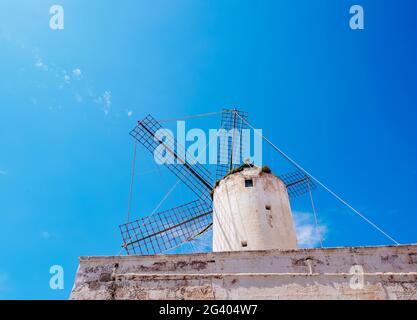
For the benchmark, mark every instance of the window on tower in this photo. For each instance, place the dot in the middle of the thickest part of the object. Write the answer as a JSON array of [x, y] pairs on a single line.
[[248, 183]]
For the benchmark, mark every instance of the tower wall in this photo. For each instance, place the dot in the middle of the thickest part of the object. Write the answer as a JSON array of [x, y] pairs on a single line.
[[252, 212]]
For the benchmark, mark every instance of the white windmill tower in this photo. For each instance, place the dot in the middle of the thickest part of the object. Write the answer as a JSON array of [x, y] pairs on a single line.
[[252, 212]]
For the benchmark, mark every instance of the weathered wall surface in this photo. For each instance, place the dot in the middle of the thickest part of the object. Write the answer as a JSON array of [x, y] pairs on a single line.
[[252, 218], [333, 273]]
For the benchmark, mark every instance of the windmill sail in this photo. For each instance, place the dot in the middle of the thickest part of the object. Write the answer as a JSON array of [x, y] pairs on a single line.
[[231, 146], [297, 183], [192, 173], [167, 229]]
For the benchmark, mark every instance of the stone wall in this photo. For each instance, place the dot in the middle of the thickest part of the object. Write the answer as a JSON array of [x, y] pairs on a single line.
[[386, 272]]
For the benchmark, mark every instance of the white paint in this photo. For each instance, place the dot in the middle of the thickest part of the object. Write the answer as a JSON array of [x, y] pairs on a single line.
[[258, 216]]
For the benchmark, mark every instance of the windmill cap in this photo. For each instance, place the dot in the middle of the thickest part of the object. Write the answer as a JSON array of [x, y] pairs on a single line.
[[246, 166], [263, 169]]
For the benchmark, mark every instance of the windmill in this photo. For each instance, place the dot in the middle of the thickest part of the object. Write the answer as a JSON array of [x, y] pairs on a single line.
[[170, 228]]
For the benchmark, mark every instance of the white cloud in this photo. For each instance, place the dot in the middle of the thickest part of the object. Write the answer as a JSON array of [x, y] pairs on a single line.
[[40, 64], [105, 100], [77, 73], [78, 98], [66, 78], [129, 113], [45, 235], [308, 235]]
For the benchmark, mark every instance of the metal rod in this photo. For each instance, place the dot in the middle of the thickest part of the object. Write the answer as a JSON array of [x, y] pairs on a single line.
[[322, 184], [167, 229], [233, 139], [315, 216]]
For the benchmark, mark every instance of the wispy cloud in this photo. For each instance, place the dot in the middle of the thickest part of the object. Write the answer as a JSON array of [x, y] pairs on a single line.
[[77, 74], [40, 64], [105, 101], [67, 79], [45, 235], [308, 235], [78, 98], [3, 173], [107, 98]]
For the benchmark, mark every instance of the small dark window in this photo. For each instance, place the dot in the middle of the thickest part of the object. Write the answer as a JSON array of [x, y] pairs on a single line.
[[248, 183], [244, 243], [268, 207]]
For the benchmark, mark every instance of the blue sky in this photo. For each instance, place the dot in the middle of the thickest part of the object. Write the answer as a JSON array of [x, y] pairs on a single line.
[[341, 102]]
